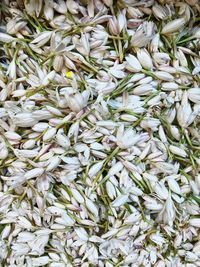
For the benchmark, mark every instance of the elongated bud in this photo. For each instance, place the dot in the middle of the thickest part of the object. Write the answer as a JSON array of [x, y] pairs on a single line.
[[115, 169], [6, 232], [53, 163], [173, 26], [24, 120], [121, 18], [177, 151], [165, 76], [42, 38], [119, 201], [161, 190], [175, 132], [3, 151], [113, 26], [25, 153], [95, 169], [58, 63], [194, 95], [40, 127], [5, 38], [174, 186], [76, 102], [195, 222], [145, 59], [92, 207], [13, 136], [160, 12], [143, 89], [169, 86], [72, 6], [14, 26], [133, 64], [33, 173], [63, 140], [110, 188], [50, 133], [48, 12], [77, 195]]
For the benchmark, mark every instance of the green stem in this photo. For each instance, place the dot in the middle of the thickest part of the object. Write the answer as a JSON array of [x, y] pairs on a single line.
[[115, 151], [186, 40]]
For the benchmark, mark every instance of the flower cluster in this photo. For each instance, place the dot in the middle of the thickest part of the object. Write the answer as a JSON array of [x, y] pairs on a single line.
[[99, 133]]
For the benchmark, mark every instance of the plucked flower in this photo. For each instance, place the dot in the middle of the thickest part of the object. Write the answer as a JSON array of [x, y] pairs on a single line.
[[145, 59], [143, 35], [173, 26], [77, 101], [133, 64], [194, 95], [113, 26], [126, 138]]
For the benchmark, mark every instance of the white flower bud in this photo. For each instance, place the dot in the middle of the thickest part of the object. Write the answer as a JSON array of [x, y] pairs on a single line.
[[190, 256], [40, 127], [174, 186], [162, 75], [95, 169], [169, 86], [119, 201], [173, 26], [143, 89], [12, 136], [128, 117], [3, 151], [40, 261], [42, 38], [50, 133], [92, 207], [161, 190], [81, 233], [115, 169], [26, 153], [150, 123], [48, 11], [62, 140], [76, 102], [29, 144], [24, 119], [175, 132], [54, 111], [160, 12], [110, 188], [133, 64], [6, 231], [53, 163], [5, 38], [144, 59], [113, 26], [33, 173], [72, 6], [194, 95], [13, 26], [133, 218], [177, 151], [121, 18], [126, 138], [77, 195], [48, 78], [58, 63]]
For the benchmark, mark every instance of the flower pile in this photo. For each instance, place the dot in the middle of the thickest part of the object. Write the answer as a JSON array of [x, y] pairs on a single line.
[[99, 133]]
